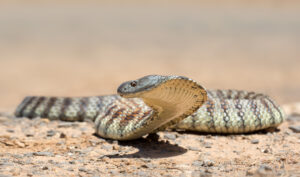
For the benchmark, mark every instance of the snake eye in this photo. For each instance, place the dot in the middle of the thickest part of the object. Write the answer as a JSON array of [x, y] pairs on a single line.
[[133, 84]]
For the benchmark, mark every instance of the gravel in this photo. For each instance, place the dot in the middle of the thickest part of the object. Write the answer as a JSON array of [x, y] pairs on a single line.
[[107, 147], [169, 136], [43, 153], [67, 125], [207, 145], [51, 133], [255, 141], [264, 170], [171, 154], [204, 163], [193, 148]]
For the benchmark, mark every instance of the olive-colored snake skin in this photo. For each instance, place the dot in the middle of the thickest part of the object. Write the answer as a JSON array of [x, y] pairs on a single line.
[[154, 103]]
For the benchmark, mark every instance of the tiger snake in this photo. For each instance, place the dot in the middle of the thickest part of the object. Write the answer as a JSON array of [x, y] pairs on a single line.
[[156, 103]]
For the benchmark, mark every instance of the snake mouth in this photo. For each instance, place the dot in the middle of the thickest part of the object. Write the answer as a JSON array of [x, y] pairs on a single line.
[[130, 95]]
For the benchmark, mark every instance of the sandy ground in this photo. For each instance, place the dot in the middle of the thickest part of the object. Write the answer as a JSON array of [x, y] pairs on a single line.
[[42, 148], [83, 49]]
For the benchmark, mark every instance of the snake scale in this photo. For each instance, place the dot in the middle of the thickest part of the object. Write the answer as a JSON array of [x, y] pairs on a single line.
[[154, 103]]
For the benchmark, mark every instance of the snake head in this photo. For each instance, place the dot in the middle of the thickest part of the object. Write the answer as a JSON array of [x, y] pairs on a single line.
[[132, 88]]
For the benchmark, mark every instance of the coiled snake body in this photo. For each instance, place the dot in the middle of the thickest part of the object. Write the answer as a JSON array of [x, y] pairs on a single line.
[[155, 103]]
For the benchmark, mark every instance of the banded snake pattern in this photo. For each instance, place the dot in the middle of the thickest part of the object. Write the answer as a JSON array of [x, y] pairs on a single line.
[[155, 103]]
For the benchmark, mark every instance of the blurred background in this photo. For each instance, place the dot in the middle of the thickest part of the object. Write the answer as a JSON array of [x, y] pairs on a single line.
[[84, 47]]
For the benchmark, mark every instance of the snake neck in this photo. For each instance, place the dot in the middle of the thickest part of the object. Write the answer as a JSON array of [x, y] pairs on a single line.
[[174, 100]]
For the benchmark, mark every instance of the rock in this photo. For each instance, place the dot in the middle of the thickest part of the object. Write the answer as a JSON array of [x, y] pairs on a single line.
[[206, 144], [95, 142], [83, 169], [255, 141], [295, 128], [114, 172], [170, 136], [250, 172], [72, 162], [70, 169], [193, 148], [67, 124], [147, 165], [17, 156], [75, 135], [29, 134], [86, 150], [1, 175], [51, 133], [62, 135], [201, 139], [146, 160], [267, 150], [200, 174], [197, 163], [83, 129], [204, 163], [107, 147], [10, 130], [208, 163], [19, 143], [43, 154], [208, 136], [28, 154], [264, 170], [142, 173]]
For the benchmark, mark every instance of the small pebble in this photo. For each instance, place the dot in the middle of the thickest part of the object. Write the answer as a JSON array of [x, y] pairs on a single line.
[[72, 162], [51, 133], [29, 134], [148, 165], [43, 154], [200, 174], [95, 142], [62, 135], [82, 169], [267, 150], [197, 163], [10, 130], [264, 170], [204, 163], [107, 147], [208, 163], [142, 173], [70, 169], [207, 145], [192, 148], [255, 141], [67, 124], [170, 136]]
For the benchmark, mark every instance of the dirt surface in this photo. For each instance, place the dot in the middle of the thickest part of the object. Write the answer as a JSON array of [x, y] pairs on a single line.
[[82, 49], [41, 147]]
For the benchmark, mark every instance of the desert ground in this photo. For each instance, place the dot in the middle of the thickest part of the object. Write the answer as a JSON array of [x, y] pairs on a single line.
[[85, 49]]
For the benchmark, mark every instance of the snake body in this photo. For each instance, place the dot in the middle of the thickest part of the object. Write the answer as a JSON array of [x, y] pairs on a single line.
[[155, 103]]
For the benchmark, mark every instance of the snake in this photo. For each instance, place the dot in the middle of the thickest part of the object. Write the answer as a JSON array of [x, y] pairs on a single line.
[[160, 103]]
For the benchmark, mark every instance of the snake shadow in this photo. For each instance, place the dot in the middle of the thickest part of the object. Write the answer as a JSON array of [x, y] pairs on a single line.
[[150, 147]]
